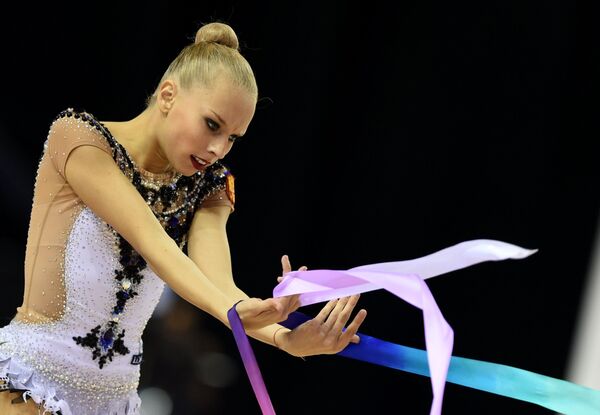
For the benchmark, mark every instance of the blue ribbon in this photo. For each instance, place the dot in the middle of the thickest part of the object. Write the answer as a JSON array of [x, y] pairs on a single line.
[[555, 394]]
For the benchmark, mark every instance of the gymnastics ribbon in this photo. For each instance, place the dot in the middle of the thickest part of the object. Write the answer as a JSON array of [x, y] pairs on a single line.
[[558, 395], [249, 360], [405, 279]]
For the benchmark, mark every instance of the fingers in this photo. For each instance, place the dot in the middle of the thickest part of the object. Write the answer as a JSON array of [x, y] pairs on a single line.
[[285, 264], [335, 314], [350, 334], [340, 316], [256, 313], [285, 267], [286, 305], [325, 311], [293, 302], [337, 319]]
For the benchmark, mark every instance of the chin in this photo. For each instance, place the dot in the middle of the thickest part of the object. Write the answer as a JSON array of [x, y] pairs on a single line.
[[187, 169], [188, 172]]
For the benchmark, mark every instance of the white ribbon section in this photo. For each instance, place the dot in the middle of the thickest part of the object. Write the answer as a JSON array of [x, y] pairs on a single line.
[[316, 286]]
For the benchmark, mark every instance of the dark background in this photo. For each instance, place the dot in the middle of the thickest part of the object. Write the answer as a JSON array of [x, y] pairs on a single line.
[[385, 132]]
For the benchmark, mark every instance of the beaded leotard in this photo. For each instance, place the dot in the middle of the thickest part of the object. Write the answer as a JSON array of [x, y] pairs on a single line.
[[74, 346]]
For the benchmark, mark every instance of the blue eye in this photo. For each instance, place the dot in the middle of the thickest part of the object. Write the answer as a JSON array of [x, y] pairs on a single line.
[[234, 138]]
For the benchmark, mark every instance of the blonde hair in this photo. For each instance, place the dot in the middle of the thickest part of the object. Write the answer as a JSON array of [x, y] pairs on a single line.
[[214, 51]]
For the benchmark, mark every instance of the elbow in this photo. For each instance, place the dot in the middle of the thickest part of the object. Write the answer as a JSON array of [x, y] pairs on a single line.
[[156, 248]]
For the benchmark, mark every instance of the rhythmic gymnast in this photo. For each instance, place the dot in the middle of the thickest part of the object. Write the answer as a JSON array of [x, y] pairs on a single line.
[[122, 208]]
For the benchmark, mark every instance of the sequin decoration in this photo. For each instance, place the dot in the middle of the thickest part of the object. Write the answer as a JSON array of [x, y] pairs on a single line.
[[230, 187], [173, 203], [4, 383]]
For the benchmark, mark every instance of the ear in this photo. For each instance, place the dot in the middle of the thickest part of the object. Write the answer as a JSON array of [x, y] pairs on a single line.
[[167, 91]]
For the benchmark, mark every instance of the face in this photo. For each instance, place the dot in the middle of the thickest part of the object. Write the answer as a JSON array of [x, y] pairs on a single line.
[[201, 124]]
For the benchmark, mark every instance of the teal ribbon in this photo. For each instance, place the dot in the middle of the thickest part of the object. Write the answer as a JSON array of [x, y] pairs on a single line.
[[555, 394], [405, 279]]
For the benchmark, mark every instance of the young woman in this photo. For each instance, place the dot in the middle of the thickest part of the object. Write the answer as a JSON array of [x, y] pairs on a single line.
[[117, 205]]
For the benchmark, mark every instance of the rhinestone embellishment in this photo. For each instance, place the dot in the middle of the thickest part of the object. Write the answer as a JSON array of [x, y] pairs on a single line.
[[174, 203]]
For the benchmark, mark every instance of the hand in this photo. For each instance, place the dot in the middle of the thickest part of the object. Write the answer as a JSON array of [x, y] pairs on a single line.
[[256, 313], [325, 333], [286, 266]]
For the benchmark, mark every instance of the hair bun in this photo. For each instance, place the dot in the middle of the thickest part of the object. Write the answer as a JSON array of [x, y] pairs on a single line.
[[220, 33]]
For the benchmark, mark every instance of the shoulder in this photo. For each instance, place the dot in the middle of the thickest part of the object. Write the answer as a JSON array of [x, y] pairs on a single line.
[[79, 122], [71, 129], [216, 177], [217, 172], [216, 187]]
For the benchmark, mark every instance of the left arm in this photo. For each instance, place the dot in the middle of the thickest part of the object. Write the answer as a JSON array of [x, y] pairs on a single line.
[[325, 334], [208, 247]]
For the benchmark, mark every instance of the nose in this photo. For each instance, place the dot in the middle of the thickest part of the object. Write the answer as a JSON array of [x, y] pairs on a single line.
[[218, 147]]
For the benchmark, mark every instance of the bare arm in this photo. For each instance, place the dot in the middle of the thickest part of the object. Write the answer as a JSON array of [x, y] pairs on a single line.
[[209, 249], [100, 184]]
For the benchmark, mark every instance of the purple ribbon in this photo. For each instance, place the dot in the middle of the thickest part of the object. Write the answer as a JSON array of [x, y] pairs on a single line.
[[252, 369]]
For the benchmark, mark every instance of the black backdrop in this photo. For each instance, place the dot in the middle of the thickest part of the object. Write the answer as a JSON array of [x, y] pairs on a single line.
[[385, 132]]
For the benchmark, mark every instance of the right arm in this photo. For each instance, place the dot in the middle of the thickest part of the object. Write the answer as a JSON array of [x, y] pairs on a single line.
[[99, 183]]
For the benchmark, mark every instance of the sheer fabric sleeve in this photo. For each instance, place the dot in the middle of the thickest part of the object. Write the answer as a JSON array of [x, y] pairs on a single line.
[[224, 197], [68, 133], [54, 210], [219, 198]]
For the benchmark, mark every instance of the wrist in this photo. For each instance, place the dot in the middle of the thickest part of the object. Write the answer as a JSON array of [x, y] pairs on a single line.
[[280, 338]]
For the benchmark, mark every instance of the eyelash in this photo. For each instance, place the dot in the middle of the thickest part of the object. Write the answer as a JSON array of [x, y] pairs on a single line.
[[214, 126]]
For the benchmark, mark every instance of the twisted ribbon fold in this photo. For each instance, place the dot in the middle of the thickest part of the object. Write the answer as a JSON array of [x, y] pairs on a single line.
[[405, 279]]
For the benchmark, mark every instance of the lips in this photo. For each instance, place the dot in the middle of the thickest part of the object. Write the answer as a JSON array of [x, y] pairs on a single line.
[[197, 162]]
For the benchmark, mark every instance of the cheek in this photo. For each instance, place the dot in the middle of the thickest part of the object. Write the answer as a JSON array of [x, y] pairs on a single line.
[[170, 142], [180, 138], [229, 147]]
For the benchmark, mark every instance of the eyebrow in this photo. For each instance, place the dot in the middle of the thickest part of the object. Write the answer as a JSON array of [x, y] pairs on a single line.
[[224, 123]]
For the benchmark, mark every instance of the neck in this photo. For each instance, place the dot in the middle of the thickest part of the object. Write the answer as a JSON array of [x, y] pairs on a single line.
[[139, 138]]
